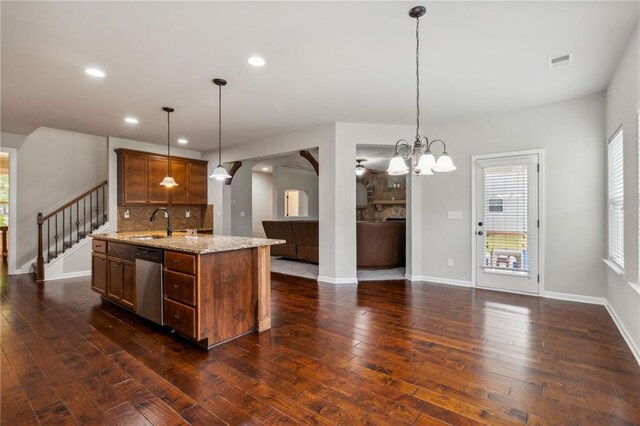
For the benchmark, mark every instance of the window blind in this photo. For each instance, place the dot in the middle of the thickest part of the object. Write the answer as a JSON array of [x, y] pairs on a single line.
[[505, 224], [616, 199]]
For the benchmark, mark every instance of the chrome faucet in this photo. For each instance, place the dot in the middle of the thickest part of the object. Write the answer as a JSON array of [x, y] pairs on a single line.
[[167, 215]]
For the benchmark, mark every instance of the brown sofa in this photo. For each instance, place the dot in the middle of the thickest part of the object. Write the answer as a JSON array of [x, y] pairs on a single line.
[[281, 231], [380, 245], [301, 237], [305, 233]]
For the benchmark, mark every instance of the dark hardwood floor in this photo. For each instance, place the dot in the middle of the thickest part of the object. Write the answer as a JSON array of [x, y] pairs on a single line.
[[381, 353]]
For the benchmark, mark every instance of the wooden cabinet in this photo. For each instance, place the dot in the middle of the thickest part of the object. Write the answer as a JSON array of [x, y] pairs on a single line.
[[113, 272], [99, 273], [140, 174], [179, 284], [134, 170], [209, 298], [180, 287], [180, 317], [156, 171], [122, 281], [198, 183], [180, 172]]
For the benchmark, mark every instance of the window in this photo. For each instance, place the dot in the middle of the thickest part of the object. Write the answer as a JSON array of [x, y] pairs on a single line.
[[506, 216], [495, 205], [616, 199]]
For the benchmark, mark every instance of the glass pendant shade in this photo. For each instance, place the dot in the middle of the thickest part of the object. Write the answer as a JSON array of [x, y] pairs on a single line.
[[169, 182], [397, 166], [427, 162], [360, 170], [425, 172], [444, 164], [220, 173]]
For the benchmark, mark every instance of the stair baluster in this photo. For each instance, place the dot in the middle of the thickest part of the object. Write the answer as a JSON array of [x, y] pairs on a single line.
[[69, 241]]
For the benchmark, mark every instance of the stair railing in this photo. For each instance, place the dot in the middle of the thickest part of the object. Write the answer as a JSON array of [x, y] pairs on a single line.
[[58, 226]]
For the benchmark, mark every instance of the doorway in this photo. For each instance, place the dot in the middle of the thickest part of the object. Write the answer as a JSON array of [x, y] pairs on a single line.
[[506, 226], [8, 172]]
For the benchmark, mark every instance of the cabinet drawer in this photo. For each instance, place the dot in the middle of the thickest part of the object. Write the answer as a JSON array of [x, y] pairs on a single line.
[[180, 287], [99, 246], [180, 317], [180, 262], [125, 251]]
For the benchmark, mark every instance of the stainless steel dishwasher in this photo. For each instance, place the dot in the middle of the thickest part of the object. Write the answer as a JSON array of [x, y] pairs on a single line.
[[149, 283]]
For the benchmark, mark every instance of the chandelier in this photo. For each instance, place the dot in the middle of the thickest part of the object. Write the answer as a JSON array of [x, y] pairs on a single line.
[[422, 159]]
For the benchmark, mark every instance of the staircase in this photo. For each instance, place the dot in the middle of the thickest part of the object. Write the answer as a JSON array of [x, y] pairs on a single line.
[[69, 224]]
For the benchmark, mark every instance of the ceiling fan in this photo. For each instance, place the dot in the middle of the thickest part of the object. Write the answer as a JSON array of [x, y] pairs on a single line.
[[361, 169]]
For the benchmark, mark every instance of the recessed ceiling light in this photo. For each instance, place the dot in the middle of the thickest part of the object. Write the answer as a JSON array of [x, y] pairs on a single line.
[[265, 169], [131, 120], [256, 61], [95, 72], [182, 141]]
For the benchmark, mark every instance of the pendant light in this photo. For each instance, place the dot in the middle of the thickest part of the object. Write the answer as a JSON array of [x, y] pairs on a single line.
[[423, 161], [220, 173], [168, 181], [360, 169]]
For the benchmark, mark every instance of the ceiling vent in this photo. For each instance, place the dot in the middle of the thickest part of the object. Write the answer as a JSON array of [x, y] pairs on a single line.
[[560, 61]]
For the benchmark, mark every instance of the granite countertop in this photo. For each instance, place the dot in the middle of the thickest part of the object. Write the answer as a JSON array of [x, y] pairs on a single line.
[[202, 244]]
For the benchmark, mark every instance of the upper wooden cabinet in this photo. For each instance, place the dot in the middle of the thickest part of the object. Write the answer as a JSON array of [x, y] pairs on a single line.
[[140, 174], [180, 171], [198, 182]]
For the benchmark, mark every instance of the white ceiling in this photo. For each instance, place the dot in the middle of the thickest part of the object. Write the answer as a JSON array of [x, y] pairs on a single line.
[[376, 158], [326, 62]]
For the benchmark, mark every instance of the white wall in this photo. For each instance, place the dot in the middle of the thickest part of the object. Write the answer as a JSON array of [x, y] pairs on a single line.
[[262, 202], [623, 101], [241, 208], [290, 178], [11, 140], [335, 166], [54, 166], [571, 134]]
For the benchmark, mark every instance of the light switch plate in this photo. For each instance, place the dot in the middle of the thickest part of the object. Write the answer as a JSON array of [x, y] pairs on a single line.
[[126, 214], [454, 215], [187, 214]]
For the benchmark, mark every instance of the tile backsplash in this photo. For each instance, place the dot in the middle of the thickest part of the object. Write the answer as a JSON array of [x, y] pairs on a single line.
[[199, 217]]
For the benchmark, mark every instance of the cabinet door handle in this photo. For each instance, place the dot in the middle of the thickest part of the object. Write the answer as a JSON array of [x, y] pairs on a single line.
[[176, 317], [176, 286]]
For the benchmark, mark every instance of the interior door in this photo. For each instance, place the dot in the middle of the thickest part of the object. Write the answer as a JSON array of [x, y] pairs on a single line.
[[507, 223]]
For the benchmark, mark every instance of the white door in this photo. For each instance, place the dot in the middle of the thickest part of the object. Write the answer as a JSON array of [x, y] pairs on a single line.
[[507, 223]]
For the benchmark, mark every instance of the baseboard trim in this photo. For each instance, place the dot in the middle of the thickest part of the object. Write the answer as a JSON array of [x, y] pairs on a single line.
[[70, 275], [438, 280], [574, 298], [330, 280], [623, 330]]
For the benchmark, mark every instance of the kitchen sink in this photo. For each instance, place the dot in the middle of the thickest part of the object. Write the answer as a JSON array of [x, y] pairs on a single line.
[[147, 237]]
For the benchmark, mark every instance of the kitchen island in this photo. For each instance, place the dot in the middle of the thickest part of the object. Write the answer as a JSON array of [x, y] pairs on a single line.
[[209, 288]]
